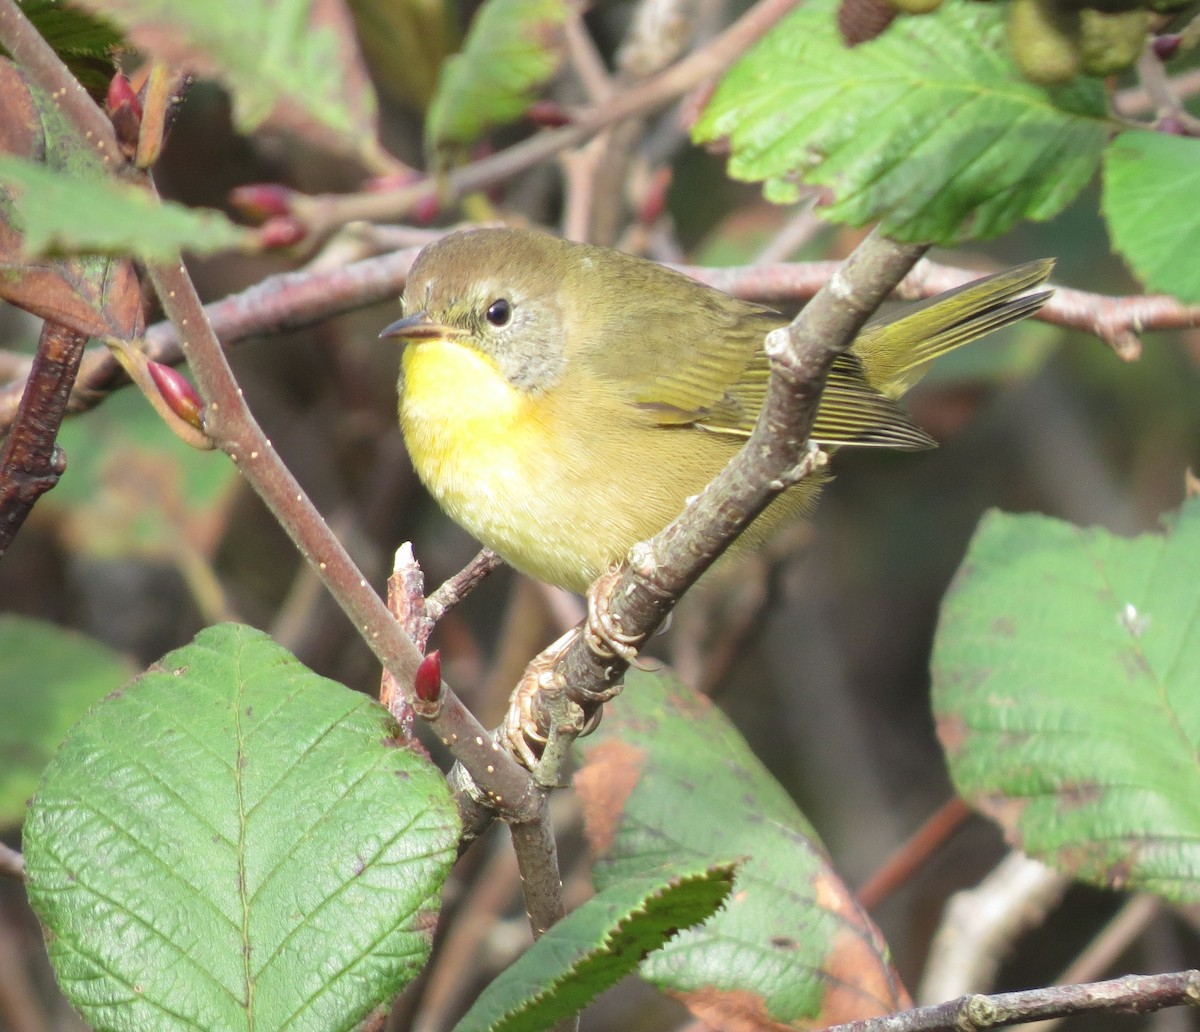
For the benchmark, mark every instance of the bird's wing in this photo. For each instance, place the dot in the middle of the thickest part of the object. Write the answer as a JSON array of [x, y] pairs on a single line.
[[706, 368], [851, 412], [702, 345]]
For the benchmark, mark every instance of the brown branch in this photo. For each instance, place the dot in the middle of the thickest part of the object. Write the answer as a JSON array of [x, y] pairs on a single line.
[[287, 301], [537, 858], [934, 833], [1133, 994], [1117, 321], [30, 460], [533, 836], [295, 300], [1153, 77], [1137, 100], [458, 587]]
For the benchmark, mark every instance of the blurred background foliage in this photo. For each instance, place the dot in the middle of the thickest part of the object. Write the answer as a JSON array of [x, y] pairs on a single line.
[[818, 648]]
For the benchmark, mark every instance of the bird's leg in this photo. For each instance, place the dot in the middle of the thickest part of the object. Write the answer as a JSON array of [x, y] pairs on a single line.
[[541, 680]]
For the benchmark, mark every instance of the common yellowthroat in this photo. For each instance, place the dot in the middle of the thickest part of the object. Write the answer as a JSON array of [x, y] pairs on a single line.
[[562, 401]]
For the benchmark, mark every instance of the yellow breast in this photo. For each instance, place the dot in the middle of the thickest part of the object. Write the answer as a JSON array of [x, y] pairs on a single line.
[[497, 461]]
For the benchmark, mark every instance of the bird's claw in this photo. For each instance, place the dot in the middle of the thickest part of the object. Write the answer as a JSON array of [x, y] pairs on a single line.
[[601, 633], [521, 726]]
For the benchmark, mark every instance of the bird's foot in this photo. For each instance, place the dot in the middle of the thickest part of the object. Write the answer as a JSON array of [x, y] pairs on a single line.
[[601, 633], [521, 727], [524, 732]]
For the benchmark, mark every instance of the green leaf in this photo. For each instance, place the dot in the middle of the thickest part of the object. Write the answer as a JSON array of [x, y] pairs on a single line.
[[1151, 181], [87, 44], [596, 945], [133, 488], [928, 129], [233, 842], [61, 213], [668, 776], [71, 31], [405, 43], [1064, 685], [511, 49], [291, 63], [94, 295], [48, 679]]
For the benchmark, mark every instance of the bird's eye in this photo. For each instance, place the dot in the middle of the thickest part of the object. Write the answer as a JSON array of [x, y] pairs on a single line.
[[499, 312]]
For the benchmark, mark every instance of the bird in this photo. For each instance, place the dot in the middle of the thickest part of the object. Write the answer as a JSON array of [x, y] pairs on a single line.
[[562, 401]]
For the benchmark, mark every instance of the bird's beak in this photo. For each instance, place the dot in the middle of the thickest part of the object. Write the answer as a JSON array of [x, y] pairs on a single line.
[[418, 326]]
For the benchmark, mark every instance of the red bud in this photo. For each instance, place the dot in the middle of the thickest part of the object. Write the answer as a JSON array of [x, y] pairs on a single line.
[[426, 209], [121, 95], [178, 392], [281, 231], [125, 113], [1165, 47], [261, 201], [549, 114], [1171, 126], [427, 684]]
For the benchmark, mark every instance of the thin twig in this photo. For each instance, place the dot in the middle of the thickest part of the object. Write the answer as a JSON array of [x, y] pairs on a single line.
[[1132, 994], [1137, 100], [288, 301], [585, 58], [325, 212], [1118, 321], [913, 852], [453, 591], [537, 857], [1154, 80]]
